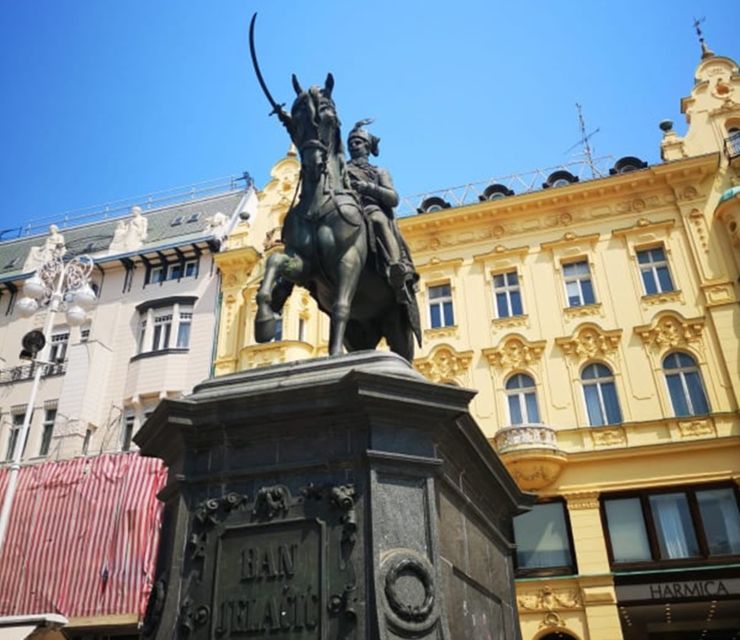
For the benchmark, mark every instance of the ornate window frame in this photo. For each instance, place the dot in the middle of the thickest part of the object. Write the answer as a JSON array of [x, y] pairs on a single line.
[[446, 365], [516, 354], [574, 248], [434, 273], [590, 344], [670, 331], [644, 235], [503, 260]]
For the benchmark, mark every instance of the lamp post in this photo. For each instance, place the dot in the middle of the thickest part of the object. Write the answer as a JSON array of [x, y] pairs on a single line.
[[57, 285]]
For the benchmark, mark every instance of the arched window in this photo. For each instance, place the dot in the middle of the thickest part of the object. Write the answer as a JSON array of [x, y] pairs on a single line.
[[522, 398], [600, 394], [685, 385]]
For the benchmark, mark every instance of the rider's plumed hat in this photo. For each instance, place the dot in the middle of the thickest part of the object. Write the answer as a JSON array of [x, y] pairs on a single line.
[[373, 142]]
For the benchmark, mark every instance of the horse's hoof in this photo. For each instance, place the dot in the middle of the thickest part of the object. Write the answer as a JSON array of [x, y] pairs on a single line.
[[264, 330]]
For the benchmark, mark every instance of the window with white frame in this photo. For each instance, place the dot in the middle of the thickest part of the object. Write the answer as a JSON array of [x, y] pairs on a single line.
[[656, 277], [507, 295], [128, 421], [685, 385], [163, 328], [173, 271], [521, 397], [441, 313], [50, 416], [58, 347], [15, 430], [600, 395], [579, 289]]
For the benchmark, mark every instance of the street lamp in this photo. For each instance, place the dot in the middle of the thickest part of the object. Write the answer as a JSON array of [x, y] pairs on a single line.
[[58, 285]]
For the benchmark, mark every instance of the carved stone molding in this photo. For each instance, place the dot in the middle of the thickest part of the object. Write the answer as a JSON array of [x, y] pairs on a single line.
[[582, 500], [512, 322], [549, 599], [696, 428], [608, 437], [662, 298], [590, 341], [515, 352], [670, 330], [717, 293], [444, 363], [583, 311]]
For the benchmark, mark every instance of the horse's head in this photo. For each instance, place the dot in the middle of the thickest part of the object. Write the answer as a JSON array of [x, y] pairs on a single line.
[[315, 127]]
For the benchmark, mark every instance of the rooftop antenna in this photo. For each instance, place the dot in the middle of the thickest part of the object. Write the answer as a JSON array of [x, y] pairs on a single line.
[[706, 52], [583, 142]]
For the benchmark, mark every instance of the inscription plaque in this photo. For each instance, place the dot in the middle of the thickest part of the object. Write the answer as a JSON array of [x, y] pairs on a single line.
[[268, 581]]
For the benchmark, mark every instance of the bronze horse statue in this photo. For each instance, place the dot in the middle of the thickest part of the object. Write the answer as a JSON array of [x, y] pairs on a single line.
[[325, 235]]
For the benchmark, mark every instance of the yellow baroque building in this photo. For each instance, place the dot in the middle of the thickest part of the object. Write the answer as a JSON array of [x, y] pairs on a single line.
[[599, 322]]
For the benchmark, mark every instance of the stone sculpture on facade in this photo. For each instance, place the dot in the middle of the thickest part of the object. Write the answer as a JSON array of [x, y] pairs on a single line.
[[53, 246], [129, 236]]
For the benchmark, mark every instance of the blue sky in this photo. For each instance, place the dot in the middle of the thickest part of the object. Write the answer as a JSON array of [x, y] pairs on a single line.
[[106, 100]]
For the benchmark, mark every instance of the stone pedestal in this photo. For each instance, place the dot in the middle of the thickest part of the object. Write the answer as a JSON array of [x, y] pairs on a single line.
[[344, 498]]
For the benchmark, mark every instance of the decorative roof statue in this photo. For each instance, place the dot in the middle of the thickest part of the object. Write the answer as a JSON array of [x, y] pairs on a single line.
[[129, 235], [53, 247], [330, 231]]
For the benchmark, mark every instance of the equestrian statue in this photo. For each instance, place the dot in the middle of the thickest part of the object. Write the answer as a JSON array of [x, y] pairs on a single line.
[[341, 241]]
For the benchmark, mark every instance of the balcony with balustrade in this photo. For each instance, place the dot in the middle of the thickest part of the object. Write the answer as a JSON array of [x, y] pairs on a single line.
[[531, 454]]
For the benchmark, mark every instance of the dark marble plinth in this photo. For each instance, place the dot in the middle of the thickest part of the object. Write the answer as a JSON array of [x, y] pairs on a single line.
[[343, 498]]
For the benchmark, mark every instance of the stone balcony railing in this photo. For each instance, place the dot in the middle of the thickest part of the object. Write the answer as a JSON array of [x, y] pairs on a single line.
[[531, 454], [525, 436]]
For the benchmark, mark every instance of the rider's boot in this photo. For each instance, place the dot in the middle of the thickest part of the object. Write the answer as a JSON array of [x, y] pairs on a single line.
[[398, 275]]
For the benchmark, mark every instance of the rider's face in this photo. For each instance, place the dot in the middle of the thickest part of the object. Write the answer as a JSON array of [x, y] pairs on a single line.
[[358, 148]]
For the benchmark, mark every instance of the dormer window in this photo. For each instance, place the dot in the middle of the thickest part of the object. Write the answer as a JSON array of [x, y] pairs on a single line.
[[176, 221], [560, 178], [194, 217], [627, 164], [495, 192], [432, 204]]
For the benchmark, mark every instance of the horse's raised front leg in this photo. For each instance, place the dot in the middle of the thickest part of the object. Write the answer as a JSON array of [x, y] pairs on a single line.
[[348, 276], [272, 293]]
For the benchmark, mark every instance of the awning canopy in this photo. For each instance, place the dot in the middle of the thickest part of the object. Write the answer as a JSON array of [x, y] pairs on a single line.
[[82, 537]]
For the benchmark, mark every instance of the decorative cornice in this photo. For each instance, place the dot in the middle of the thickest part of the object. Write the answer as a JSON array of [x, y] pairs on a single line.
[[445, 265], [444, 363], [569, 239], [670, 330], [582, 500], [515, 352], [590, 341], [643, 225], [500, 251]]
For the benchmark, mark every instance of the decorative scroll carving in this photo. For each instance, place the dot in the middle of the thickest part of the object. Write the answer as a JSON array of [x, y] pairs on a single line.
[[695, 428], [608, 437], [549, 599], [515, 352], [668, 331], [444, 363], [590, 341], [271, 501], [582, 311]]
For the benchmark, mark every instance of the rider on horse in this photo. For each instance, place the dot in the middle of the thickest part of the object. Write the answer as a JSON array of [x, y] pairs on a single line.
[[379, 198]]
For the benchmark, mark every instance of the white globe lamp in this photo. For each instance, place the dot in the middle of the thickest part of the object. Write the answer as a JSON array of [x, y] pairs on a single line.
[[75, 315], [26, 307]]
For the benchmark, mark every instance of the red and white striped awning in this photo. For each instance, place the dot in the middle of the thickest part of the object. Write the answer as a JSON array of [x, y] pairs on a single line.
[[83, 537]]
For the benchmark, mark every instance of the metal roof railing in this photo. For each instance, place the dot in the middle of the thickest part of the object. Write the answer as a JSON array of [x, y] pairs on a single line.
[[120, 208], [519, 183]]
